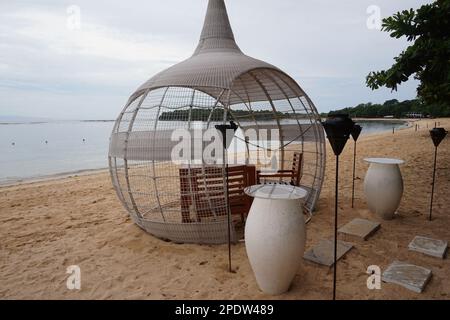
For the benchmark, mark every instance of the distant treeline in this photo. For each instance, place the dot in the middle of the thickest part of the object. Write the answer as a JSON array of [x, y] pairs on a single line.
[[396, 109], [198, 114]]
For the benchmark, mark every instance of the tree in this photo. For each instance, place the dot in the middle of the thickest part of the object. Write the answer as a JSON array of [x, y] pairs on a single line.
[[428, 58], [390, 102]]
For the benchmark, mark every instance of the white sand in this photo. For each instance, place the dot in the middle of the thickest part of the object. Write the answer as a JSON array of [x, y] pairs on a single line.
[[47, 226]]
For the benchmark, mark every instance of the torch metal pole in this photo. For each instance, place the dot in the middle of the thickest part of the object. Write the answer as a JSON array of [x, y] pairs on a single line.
[[228, 201], [338, 130], [432, 184], [335, 227], [354, 169]]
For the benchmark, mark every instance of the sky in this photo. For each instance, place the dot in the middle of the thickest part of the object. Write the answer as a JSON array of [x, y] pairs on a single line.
[[83, 59]]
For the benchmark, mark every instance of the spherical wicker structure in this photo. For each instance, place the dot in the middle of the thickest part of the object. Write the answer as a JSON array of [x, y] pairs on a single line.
[[186, 200]]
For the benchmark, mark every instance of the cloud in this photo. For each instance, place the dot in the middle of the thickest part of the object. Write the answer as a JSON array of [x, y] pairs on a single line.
[[48, 69], [42, 61], [93, 54], [91, 39]]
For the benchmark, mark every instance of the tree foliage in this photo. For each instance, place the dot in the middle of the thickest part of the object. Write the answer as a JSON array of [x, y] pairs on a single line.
[[202, 114], [396, 109], [427, 58]]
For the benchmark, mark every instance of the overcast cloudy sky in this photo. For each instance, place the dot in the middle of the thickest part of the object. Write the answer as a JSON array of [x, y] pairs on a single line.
[[48, 69]]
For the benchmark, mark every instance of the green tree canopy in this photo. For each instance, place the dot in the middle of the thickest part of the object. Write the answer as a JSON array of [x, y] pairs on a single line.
[[395, 108], [428, 58]]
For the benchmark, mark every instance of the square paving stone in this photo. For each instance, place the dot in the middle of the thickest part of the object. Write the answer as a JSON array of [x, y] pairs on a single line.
[[360, 228], [431, 247], [323, 252], [407, 275]]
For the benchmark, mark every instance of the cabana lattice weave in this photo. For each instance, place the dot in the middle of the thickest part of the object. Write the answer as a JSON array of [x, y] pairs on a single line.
[[185, 202]]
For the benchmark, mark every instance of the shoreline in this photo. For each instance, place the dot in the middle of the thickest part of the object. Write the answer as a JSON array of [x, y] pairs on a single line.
[[52, 177], [83, 172]]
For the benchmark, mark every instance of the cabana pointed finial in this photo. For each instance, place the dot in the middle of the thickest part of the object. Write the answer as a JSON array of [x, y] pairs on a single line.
[[217, 34], [169, 187]]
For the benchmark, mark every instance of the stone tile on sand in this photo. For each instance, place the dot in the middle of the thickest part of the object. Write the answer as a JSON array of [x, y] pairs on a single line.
[[407, 275], [428, 246], [323, 252], [359, 228]]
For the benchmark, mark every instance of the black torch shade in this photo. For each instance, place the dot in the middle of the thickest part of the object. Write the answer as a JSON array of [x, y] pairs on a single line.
[[356, 131], [227, 131], [338, 129], [438, 134]]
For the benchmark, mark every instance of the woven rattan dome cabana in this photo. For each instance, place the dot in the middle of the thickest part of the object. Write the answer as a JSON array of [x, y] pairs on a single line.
[[176, 200]]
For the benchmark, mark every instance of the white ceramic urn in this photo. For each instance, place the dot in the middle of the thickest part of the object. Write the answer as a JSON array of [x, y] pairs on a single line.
[[275, 235], [383, 186]]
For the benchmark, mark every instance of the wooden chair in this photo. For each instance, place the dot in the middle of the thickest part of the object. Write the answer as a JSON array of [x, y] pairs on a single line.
[[203, 195], [295, 174]]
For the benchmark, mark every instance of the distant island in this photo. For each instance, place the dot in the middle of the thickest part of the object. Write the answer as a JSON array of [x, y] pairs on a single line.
[[395, 109], [4, 120], [21, 119], [199, 114], [104, 120], [389, 109]]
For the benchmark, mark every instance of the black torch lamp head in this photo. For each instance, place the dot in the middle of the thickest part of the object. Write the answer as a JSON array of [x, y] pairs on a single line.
[[437, 135], [356, 132], [338, 128], [227, 131]]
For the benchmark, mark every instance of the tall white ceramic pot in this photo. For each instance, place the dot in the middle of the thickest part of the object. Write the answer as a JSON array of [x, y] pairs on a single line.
[[275, 237], [383, 186]]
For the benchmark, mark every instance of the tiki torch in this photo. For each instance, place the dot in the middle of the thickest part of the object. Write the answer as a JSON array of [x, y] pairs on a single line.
[[437, 135], [338, 129], [355, 135], [227, 131]]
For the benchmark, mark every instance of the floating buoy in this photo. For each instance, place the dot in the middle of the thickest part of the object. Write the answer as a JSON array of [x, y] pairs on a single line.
[[46, 142], [13, 143]]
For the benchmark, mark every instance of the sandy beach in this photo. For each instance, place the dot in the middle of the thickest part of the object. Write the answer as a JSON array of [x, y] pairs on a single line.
[[46, 226]]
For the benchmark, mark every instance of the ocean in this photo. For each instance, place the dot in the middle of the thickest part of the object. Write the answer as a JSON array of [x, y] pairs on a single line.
[[35, 150]]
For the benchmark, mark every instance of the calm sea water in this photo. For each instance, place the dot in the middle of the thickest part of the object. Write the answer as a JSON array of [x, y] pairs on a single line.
[[370, 127], [65, 150]]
